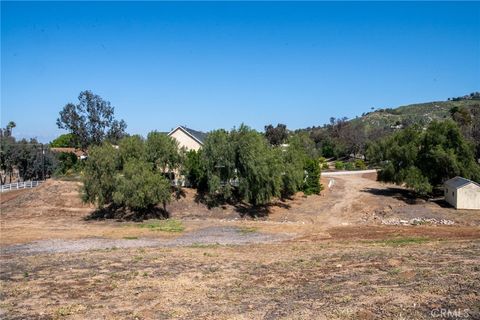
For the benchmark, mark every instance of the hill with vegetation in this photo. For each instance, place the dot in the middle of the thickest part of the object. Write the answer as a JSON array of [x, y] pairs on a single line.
[[419, 113], [343, 137]]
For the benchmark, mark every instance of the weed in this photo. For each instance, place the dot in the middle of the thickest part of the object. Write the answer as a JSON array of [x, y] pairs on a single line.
[[394, 271], [395, 242], [247, 230], [130, 238], [208, 254], [205, 245], [169, 225]]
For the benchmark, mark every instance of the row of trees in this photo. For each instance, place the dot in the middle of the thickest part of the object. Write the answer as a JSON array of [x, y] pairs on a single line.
[[29, 159], [235, 166], [424, 159], [241, 165]]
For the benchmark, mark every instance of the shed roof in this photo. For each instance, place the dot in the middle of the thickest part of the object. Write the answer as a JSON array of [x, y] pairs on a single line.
[[459, 182]]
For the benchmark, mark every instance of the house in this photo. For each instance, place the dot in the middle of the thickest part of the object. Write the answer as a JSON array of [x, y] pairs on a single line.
[[188, 138], [79, 153], [462, 193]]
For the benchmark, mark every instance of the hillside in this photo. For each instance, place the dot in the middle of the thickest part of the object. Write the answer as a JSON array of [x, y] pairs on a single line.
[[421, 113]]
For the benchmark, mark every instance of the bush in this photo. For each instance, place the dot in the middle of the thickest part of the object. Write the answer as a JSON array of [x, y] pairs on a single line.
[[339, 165], [349, 166], [360, 164]]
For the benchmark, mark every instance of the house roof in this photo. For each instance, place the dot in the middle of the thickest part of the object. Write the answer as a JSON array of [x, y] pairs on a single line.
[[199, 136], [459, 182], [75, 151]]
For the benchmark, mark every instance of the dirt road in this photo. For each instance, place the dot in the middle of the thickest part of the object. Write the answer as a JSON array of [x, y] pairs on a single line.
[[55, 211], [318, 257]]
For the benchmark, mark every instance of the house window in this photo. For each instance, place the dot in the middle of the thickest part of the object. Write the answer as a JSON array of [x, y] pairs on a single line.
[[453, 193]]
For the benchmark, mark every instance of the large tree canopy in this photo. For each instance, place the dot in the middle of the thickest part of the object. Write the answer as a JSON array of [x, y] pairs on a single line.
[[425, 159], [128, 177], [64, 141], [91, 121], [32, 159], [258, 167], [241, 165], [276, 135]]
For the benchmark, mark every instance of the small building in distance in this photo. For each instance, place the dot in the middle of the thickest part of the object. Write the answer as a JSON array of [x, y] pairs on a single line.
[[462, 193], [188, 138], [78, 152]]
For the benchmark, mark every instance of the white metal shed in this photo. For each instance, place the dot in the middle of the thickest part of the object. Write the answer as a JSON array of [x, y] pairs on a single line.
[[462, 193]]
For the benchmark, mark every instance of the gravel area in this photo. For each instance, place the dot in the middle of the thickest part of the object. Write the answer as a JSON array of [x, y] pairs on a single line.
[[206, 236]]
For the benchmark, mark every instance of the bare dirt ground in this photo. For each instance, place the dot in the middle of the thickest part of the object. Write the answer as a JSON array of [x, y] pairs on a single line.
[[332, 256]]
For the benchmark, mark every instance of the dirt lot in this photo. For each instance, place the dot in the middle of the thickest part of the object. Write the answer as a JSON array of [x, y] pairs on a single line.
[[351, 253]]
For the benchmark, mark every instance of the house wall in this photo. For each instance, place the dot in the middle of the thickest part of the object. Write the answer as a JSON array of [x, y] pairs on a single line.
[[469, 197], [451, 195], [185, 140]]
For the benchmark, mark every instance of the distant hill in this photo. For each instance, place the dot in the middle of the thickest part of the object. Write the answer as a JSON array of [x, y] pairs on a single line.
[[343, 137], [420, 113]]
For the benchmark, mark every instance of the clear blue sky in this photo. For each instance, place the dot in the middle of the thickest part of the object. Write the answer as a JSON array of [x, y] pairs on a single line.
[[212, 65]]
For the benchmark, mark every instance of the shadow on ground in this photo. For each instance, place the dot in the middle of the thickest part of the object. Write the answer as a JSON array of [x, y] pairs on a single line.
[[396, 193], [121, 214]]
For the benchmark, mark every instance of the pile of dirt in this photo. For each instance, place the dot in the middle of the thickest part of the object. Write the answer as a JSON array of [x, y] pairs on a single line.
[[52, 198]]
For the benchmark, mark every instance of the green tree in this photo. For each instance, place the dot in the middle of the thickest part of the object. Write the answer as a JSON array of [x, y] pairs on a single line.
[[193, 170], [67, 161], [63, 141], [218, 162], [131, 148], [276, 135], [7, 154], [33, 160], [303, 144], [91, 121], [163, 151], [294, 158], [258, 167], [425, 159], [140, 188], [100, 173], [312, 180]]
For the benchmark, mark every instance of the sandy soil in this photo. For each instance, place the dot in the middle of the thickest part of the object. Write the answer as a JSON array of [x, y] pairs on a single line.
[[318, 257]]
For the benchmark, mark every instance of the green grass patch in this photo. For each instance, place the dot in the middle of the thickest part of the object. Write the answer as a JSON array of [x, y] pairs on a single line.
[[130, 238], [169, 225], [204, 245], [395, 242], [247, 230]]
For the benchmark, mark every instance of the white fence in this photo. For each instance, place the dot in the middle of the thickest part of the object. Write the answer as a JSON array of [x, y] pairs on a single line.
[[20, 185]]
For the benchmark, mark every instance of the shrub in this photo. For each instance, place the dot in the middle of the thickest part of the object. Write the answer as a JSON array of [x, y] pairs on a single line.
[[360, 164], [339, 165], [349, 166]]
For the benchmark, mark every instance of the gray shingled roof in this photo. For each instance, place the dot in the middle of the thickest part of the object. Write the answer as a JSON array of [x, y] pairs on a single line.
[[459, 182], [199, 135]]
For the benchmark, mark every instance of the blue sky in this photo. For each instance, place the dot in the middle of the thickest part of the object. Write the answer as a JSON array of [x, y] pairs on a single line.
[[217, 64]]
